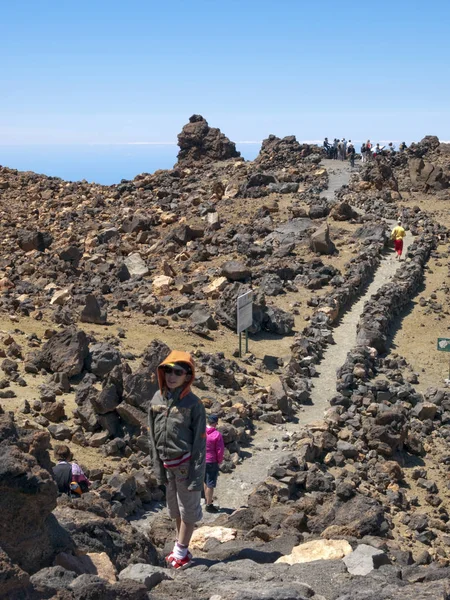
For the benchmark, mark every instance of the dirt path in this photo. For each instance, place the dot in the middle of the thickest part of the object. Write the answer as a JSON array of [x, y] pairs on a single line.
[[344, 337], [270, 442], [268, 445]]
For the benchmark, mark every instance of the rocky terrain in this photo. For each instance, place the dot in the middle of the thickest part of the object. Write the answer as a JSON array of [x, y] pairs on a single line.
[[349, 491]]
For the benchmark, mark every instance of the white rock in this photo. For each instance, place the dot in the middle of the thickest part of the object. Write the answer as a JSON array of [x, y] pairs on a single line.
[[215, 287], [60, 297], [162, 283], [365, 559], [317, 550], [203, 534], [135, 265]]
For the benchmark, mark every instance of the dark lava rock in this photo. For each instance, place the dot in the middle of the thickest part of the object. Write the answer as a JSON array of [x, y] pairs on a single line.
[[66, 352], [92, 313], [198, 141]]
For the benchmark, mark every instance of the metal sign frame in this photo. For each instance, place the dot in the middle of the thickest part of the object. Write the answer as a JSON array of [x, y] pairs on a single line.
[[443, 345], [244, 314]]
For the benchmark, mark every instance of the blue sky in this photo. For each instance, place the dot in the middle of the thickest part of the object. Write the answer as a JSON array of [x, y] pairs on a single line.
[[134, 71]]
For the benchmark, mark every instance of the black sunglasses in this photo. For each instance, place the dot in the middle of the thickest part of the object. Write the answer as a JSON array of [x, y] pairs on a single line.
[[175, 370]]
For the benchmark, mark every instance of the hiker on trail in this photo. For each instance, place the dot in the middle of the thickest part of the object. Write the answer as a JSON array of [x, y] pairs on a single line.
[[69, 477], [335, 148], [402, 147], [177, 429], [368, 151], [351, 154], [363, 152], [214, 456], [398, 233], [328, 148], [391, 148]]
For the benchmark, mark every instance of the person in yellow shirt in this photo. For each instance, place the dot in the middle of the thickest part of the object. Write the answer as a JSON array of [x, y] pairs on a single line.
[[398, 233]]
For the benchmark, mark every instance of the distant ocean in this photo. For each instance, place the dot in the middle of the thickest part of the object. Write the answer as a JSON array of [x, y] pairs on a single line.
[[99, 163], [106, 163]]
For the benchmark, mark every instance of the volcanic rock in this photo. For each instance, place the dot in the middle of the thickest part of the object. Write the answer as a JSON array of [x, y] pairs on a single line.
[[65, 351], [198, 141], [320, 241], [92, 313]]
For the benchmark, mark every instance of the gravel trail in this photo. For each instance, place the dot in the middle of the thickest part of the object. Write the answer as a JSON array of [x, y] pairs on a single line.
[[267, 445]]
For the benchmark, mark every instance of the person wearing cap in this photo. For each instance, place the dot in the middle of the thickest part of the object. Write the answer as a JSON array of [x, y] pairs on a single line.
[[398, 233], [215, 449], [177, 435]]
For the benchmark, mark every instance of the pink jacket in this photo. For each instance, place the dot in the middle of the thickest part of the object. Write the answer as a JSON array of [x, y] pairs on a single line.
[[214, 445]]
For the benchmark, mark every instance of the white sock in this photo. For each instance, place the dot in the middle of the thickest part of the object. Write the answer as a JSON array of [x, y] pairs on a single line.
[[179, 551]]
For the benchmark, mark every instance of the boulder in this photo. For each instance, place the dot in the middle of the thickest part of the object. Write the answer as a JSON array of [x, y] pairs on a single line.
[[14, 582], [216, 286], [235, 271], [52, 579], [203, 318], [135, 265], [66, 351], [320, 241], [365, 559], [71, 255], [277, 320], [29, 532], [317, 550], [198, 141], [102, 359], [201, 536], [91, 312], [343, 212], [149, 575], [34, 240], [60, 297]]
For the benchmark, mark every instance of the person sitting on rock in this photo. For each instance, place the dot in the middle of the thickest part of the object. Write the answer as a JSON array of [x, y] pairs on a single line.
[[215, 449], [177, 431], [69, 477], [398, 233]]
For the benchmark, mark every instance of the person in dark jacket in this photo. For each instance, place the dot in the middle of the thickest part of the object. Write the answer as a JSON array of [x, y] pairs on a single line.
[[177, 428], [69, 477]]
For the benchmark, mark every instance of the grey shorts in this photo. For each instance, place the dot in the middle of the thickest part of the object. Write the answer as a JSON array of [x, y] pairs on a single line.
[[180, 502]]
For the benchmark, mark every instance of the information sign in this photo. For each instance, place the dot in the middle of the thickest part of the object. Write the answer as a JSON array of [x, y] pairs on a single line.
[[244, 311]]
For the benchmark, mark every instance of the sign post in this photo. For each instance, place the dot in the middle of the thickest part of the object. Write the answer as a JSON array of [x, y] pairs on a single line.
[[443, 345], [244, 318]]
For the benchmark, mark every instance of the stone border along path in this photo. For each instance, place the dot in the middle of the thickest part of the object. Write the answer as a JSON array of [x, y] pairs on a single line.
[[267, 445]]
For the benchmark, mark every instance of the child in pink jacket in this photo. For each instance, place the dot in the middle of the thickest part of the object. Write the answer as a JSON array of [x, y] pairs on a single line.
[[214, 456]]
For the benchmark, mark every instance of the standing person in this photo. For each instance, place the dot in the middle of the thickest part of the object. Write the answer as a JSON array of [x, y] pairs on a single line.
[[351, 154], [402, 147], [215, 449], [335, 148], [177, 424], [363, 152], [398, 233], [368, 151], [391, 148], [69, 477]]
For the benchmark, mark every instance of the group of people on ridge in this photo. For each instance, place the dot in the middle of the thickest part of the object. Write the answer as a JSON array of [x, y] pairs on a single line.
[[343, 150], [186, 450]]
